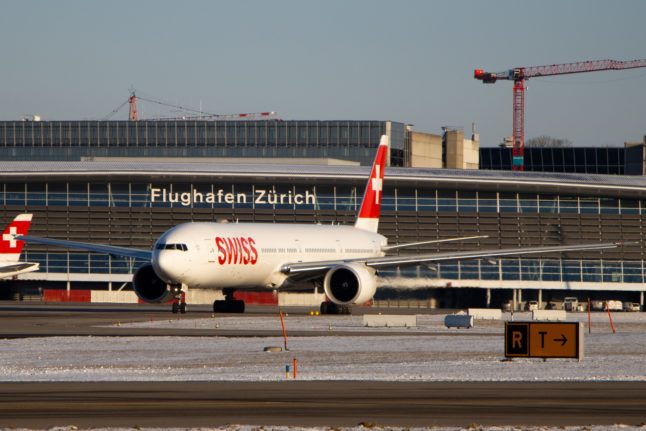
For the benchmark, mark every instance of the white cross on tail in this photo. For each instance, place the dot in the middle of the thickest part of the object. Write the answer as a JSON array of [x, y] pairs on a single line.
[[10, 237], [377, 183]]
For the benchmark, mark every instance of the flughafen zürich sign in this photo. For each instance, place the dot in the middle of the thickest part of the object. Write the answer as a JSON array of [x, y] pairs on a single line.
[[259, 196]]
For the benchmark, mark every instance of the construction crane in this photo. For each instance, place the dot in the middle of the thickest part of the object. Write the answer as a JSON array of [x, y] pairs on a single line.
[[132, 101], [196, 114], [520, 74]]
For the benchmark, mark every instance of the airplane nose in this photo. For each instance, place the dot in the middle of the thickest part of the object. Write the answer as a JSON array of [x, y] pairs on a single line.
[[169, 266]]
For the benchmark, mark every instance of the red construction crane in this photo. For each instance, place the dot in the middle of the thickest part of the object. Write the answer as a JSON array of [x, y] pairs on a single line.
[[193, 114], [132, 100], [520, 74], [201, 115]]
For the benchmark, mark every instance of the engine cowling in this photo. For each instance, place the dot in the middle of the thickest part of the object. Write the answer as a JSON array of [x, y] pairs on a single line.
[[350, 283], [148, 286]]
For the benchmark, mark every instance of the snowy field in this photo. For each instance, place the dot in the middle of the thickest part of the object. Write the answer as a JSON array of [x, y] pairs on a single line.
[[429, 352]]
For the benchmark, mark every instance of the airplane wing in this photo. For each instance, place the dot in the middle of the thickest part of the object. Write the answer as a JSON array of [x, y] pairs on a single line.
[[434, 241], [313, 268], [98, 248]]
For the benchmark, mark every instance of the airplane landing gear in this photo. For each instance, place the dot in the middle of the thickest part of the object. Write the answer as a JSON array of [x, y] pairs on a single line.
[[332, 308], [230, 304], [179, 305]]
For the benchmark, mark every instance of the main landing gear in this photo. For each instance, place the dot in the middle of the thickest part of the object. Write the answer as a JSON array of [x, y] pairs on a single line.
[[329, 307], [229, 305], [179, 305]]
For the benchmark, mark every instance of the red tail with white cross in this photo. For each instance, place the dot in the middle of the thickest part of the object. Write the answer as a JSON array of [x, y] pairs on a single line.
[[10, 247], [368, 218]]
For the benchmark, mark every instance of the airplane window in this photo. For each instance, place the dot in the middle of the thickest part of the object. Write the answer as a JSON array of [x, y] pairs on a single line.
[[162, 246]]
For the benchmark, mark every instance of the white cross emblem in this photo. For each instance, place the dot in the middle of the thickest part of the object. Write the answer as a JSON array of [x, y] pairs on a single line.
[[10, 237], [377, 184]]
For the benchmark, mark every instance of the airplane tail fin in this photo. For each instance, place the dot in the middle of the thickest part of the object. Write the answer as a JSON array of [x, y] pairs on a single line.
[[368, 218], [10, 247]]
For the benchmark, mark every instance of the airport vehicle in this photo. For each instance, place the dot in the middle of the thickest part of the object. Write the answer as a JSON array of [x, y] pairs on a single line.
[[614, 305], [344, 260], [570, 303], [531, 305], [632, 306], [597, 305], [10, 248]]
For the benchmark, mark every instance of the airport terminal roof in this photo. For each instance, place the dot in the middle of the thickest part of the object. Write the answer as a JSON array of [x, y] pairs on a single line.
[[530, 182]]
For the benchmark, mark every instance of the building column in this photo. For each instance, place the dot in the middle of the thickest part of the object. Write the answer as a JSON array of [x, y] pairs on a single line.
[[520, 297], [540, 298], [513, 299], [488, 296], [641, 300]]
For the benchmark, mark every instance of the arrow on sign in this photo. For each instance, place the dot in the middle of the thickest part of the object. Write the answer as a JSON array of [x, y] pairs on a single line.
[[563, 340]]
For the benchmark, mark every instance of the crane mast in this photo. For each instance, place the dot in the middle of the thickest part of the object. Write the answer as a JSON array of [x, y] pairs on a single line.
[[520, 74]]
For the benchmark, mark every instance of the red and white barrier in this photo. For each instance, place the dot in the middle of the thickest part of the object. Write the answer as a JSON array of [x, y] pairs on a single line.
[[193, 296]]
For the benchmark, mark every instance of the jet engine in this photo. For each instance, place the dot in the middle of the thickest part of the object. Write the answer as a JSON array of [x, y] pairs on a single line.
[[350, 283], [148, 286]]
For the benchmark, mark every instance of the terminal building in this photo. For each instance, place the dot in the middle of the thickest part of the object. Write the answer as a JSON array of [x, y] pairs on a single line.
[[627, 160], [114, 197]]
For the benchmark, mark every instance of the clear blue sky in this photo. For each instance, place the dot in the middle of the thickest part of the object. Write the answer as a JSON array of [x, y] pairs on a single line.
[[409, 61]]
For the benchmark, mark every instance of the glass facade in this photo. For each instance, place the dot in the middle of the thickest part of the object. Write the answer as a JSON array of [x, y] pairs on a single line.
[[584, 160], [74, 140], [278, 195]]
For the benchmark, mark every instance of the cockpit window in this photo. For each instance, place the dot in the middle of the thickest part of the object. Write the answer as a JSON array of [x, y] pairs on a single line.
[[162, 246]]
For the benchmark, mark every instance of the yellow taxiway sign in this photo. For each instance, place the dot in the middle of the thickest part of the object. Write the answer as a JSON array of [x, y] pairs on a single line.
[[544, 340]]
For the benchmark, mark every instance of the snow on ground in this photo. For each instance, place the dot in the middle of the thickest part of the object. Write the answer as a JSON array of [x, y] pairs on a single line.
[[426, 353], [624, 322]]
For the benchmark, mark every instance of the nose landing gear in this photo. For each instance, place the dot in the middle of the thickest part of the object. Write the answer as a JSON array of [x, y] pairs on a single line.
[[230, 304], [179, 304]]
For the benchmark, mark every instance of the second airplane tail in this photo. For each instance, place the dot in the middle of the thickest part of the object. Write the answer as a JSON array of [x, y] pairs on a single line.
[[368, 218], [10, 247]]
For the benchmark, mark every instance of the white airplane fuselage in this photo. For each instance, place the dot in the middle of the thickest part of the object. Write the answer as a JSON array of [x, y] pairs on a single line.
[[232, 255]]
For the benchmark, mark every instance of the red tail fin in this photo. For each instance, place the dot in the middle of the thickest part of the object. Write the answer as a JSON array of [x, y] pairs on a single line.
[[368, 218], [11, 247]]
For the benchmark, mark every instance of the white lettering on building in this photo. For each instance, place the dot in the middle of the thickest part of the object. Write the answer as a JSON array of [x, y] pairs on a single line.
[[261, 197]]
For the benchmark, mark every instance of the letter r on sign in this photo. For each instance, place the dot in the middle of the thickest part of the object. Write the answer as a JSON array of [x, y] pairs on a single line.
[[517, 340]]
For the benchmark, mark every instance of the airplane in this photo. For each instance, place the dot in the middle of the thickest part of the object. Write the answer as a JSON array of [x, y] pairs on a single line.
[[344, 260], [10, 248]]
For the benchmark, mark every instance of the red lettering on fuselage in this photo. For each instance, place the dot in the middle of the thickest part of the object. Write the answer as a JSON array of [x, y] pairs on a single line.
[[222, 253], [245, 251], [236, 250], [253, 253]]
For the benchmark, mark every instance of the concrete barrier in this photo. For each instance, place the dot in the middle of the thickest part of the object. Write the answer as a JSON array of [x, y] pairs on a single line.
[[114, 296], [458, 321], [549, 315], [485, 313], [300, 299], [56, 295], [203, 296], [390, 320], [284, 299]]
